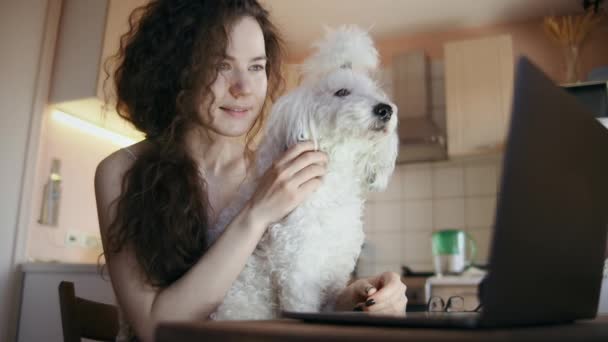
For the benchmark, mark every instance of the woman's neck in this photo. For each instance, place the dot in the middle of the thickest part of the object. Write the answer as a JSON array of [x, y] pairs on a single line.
[[216, 155]]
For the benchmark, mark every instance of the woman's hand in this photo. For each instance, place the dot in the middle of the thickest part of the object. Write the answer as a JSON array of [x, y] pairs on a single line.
[[290, 179], [380, 295]]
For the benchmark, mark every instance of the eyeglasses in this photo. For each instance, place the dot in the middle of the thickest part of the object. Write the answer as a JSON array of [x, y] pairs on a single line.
[[454, 304]]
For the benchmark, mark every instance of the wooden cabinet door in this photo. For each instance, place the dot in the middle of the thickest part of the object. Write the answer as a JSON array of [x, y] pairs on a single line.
[[479, 82], [89, 33]]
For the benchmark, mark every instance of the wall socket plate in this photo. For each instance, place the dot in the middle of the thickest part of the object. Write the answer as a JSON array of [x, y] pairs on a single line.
[[77, 238], [72, 238], [90, 241]]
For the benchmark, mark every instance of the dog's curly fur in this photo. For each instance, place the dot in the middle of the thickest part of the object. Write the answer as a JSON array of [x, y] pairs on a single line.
[[303, 261]]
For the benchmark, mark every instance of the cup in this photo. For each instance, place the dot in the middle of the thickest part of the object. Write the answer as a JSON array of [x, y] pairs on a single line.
[[450, 251]]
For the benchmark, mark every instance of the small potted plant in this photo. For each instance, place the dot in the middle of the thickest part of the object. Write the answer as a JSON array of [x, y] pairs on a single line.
[[569, 33]]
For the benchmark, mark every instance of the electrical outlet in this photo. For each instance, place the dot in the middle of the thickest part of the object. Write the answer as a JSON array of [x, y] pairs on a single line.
[[91, 242], [82, 239], [72, 238]]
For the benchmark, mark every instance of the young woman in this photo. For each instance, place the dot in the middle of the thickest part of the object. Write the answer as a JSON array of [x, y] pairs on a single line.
[[197, 77]]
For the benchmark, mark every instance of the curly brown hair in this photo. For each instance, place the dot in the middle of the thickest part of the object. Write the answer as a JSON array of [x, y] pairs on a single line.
[[166, 59]]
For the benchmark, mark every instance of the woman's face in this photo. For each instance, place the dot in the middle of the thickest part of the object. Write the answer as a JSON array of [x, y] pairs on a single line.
[[240, 88]]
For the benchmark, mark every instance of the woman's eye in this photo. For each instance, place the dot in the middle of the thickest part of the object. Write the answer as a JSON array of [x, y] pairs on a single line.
[[223, 66], [257, 67], [342, 92]]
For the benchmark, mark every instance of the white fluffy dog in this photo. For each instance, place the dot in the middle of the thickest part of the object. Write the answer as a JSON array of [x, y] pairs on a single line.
[[303, 261]]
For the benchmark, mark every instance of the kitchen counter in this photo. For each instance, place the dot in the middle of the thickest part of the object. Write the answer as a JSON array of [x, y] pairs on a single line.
[[46, 267]]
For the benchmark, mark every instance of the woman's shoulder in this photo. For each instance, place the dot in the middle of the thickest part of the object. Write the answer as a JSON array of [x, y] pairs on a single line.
[[119, 161]]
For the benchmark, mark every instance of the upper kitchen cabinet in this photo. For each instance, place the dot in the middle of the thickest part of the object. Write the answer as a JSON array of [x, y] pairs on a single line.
[[479, 86], [89, 33]]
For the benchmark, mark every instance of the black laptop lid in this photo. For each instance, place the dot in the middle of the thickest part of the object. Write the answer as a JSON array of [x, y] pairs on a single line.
[[547, 252]]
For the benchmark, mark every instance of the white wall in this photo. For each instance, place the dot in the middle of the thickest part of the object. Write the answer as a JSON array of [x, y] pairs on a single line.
[[22, 32], [79, 153], [423, 198]]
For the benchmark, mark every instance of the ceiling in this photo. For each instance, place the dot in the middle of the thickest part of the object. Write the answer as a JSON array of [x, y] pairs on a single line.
[[301, 22]]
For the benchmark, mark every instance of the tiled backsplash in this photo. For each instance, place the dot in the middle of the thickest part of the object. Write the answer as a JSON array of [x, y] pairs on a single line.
[[422, 198]]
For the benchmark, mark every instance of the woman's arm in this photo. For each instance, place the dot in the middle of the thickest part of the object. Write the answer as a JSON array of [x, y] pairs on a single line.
[[193, 296], [198, 293]]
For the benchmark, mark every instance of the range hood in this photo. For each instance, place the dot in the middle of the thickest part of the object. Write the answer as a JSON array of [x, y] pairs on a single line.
[[418, 91]]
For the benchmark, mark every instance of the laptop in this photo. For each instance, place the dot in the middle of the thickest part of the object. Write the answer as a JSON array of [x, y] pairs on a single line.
[[547, 252]]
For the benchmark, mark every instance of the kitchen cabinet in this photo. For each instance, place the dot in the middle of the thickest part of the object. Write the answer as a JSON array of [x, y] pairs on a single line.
[[78, 51], [40, 316], [89, 33], [478, 82]]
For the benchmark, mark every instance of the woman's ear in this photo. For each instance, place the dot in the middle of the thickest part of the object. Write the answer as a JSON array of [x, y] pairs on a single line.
[[380, 163]]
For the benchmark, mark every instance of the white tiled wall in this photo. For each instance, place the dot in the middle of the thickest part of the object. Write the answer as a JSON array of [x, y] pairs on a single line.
[[425, 197]]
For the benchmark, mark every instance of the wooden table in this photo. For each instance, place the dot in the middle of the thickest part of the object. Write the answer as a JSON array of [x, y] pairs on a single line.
[[293, 330]]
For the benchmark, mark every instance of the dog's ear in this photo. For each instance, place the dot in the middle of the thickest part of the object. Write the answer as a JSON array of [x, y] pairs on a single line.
[[298, 123], [380, 166], [302, 128], [289, 122]]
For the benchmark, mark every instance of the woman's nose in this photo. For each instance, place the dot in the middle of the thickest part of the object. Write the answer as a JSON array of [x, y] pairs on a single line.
[[240, 84]]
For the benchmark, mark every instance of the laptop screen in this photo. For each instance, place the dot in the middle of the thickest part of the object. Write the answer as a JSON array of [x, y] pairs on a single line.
[[547, 251]]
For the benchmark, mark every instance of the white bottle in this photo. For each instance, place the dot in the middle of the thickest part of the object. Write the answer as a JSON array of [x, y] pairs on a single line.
[[49, 210]]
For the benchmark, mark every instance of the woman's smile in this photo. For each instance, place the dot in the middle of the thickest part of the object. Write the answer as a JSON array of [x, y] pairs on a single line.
[[236, 111]]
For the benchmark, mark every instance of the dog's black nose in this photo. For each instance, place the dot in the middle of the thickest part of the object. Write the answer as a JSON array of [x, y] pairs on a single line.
[[383, 111]]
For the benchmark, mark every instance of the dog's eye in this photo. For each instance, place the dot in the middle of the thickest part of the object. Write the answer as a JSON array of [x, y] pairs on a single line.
[[342, 92]]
